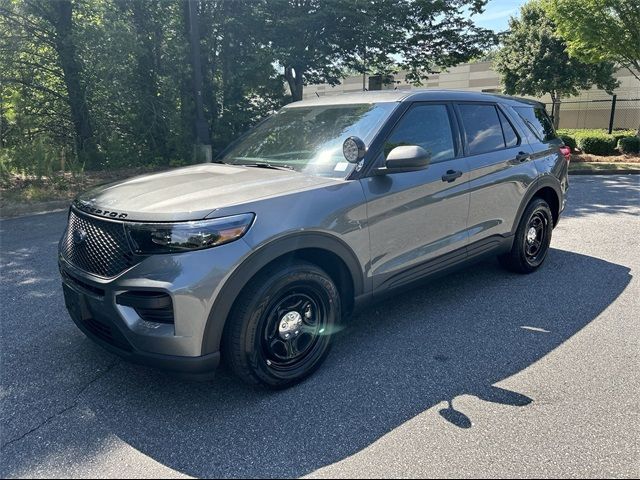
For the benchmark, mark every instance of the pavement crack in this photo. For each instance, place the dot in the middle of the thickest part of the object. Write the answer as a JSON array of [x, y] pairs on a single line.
[[73, 405], [37, 427]]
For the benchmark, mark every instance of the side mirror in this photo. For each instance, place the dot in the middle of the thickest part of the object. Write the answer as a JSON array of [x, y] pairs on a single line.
[[407, 158]]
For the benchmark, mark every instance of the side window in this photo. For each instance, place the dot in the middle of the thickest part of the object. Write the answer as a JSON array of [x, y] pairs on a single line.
[[482, 128], [538, 122], [427, 126], [510, 135]]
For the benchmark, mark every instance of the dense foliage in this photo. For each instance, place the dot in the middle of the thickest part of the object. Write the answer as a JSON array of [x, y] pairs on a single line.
[[108, 83], [598, 141], [533, 60], [629, 145], [600, 30]]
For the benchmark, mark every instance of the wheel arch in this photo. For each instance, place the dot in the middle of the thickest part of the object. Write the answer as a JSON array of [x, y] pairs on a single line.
[[327, 251], [549, 190], [549, 195]]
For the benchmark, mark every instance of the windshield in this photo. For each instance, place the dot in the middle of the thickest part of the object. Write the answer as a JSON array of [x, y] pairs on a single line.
[[309, 139]]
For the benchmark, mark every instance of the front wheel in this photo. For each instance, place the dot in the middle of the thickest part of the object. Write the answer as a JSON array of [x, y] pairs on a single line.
[[280, 328], [532, 239]]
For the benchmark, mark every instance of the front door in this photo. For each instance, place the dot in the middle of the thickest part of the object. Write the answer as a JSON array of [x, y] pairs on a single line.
[[417, 217]]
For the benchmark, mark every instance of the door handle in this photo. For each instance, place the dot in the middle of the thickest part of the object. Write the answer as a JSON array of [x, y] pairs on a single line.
[[522, 157], [451, 175]]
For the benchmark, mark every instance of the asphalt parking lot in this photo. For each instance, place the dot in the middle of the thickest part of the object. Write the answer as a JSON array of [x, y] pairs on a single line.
[[483, 373]]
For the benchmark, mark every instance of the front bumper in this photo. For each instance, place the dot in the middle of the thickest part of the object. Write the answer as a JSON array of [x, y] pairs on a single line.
[[191, 280], [90, 315]]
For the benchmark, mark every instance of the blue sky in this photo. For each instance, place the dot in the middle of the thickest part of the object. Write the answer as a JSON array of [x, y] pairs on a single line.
[[497, 12]]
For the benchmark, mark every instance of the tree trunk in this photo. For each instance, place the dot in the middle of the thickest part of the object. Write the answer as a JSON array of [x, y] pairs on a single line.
[[149, 110], [213, 15], [293, 76], [187, 104], [555, 98], [1, 123], [202, 149], [65, 48]]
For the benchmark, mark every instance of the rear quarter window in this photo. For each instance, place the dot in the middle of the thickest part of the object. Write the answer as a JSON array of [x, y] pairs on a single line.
[[538, 122], [510, 136]]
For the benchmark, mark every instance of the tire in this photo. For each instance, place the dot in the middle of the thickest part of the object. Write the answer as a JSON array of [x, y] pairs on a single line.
[[532, 239], [279, 330]]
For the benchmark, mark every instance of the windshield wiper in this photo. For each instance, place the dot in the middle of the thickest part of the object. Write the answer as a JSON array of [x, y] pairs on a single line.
[[267, 165]]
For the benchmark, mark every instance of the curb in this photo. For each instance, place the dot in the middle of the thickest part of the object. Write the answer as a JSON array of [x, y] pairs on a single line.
[[40, 208], [605, 172]]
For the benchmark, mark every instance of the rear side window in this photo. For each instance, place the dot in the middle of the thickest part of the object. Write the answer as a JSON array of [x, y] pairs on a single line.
[[538, 122], [482, 128], [427, 126], [510, 135]]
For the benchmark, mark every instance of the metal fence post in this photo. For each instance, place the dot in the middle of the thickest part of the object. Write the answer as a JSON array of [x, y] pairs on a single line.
[[613, 113]]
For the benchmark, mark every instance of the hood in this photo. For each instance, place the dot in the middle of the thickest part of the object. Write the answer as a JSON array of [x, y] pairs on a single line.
[[191, 193]]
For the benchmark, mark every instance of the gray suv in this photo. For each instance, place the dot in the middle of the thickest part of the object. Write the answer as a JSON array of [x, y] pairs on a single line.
[[258, 258]]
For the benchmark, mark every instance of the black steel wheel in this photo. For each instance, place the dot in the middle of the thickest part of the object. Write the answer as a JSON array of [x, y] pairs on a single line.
[[293, 327], [280, 329], [534, 245], [532, 239]]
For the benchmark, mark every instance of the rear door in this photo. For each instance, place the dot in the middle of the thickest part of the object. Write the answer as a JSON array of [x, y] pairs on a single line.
[[500, 171], [417, 217], [544, 142]]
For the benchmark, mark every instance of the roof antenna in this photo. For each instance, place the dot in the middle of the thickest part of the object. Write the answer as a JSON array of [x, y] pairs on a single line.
[[317, 95]]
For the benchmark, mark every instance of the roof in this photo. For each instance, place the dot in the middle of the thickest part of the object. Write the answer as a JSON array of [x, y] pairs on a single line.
[[417, 95]]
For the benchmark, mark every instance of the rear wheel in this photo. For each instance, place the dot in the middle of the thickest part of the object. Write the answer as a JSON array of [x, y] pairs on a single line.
[[280, 328], [532, 239]]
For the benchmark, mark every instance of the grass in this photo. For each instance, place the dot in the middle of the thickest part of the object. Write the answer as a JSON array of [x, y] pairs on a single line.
[[599, 167]]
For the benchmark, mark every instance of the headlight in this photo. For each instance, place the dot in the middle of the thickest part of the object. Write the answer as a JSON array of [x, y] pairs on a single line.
[[148, 238]]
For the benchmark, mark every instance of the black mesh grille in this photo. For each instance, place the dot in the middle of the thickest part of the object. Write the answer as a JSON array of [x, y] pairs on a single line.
[[96, 246]]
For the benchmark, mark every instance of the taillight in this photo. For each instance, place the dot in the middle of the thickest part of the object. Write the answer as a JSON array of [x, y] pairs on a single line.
[[566, 151]]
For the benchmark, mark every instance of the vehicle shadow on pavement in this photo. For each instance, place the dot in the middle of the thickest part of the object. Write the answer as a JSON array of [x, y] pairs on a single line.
[[395, 360]]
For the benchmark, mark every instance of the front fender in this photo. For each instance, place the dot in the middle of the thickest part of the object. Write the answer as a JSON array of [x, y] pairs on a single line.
[[260, 258]]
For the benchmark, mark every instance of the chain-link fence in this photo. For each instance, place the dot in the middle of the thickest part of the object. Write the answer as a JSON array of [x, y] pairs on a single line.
[[609, 113]]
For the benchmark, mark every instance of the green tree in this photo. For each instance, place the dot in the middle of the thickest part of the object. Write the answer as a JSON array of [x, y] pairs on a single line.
[[317, 41], [41, 75], [124, 80], [600, 30], [533, 60], [145, 22], [240, 83], [113, 82], [441, 34]]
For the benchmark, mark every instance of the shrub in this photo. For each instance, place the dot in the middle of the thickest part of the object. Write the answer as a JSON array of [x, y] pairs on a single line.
[[629, 144], [5, 168], [596, 141], [618, 134], [568, 140], [601, 144], [37, 157]]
